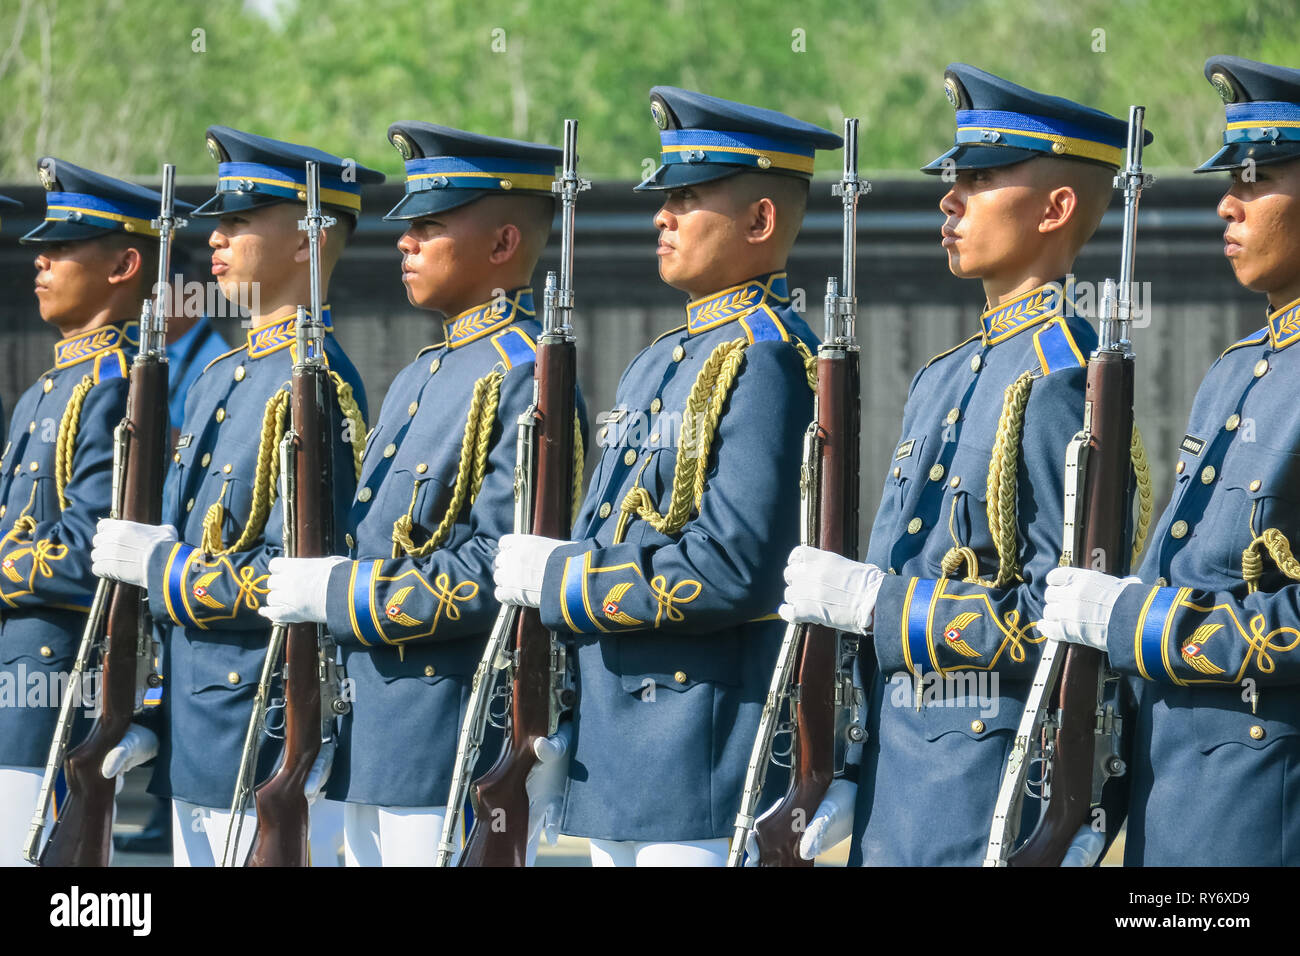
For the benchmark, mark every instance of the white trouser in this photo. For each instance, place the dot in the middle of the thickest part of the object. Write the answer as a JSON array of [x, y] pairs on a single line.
[[19, 788], [686, 853], [199, 833], [391, 836]]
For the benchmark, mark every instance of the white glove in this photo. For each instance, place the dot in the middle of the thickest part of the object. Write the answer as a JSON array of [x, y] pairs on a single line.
[[519, 567], [1078, 603], [319, 772], [825, 588], [833, 820], [545, 783], [297, 589], [120, 549], [1085, 847], [137, 745]]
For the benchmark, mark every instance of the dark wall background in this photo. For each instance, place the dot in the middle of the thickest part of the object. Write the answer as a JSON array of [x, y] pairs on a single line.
[[910, 307]]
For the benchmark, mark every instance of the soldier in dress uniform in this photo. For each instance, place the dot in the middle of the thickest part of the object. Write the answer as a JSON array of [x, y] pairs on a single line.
[[96, 256], [208, 579], [668, 588], [970, 521], [413, 607], [1209, 629]]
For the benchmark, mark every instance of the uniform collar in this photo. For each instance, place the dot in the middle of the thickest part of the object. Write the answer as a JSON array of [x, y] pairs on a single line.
[[279, 335], [492, 315], [79, 348], [732, 303], [1284, 325], [1025, 311]]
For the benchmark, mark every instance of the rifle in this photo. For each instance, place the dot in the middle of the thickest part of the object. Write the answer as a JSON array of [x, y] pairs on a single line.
[[536, 667], [814, 670], [1070, 720], [307, 470], [119, 624]]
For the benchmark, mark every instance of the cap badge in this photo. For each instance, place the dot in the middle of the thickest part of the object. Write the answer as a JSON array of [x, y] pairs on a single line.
[[1224, 88], [658, 114], [403, 144], [951, 90]]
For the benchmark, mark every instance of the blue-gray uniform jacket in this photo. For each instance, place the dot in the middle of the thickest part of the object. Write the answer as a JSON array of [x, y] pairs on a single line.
[[675, 630], [209, 590], [1212, 636], [930, 774], [413, 610], [56, 478]]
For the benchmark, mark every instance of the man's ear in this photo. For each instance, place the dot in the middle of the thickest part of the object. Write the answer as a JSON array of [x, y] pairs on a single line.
[[127, 264], [761, 224], [302, 251], [1061, 208], [505, 242]]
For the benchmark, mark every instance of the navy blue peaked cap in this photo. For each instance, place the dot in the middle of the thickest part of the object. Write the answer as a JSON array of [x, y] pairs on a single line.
[[83, 204], [1262, 107], [257, 171], [446, 167], [1000, 123], [703, 138]]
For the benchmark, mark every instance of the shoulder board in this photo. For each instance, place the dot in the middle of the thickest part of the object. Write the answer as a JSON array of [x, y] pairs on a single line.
[[1255, 338], [109, 365], [515, 346], [1056, 347], [951, 350], [672, 331], [225, 355], [762, 325]]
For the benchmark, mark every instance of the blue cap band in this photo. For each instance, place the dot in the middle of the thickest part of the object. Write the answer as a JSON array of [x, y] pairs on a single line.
[[693, 146], [478, 172], [1262, 120], [285, 182], [97, 211], [1039, 133]]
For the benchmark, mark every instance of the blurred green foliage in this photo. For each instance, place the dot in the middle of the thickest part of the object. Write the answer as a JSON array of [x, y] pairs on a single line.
[[122, 85]]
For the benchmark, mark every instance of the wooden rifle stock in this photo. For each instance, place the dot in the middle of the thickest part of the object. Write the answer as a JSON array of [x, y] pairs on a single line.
[[779, 831], [1101, 545], [282, 813], [499, 836], [82, 834]]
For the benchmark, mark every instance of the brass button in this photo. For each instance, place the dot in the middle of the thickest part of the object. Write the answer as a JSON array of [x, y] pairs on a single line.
[[389, 450], [205, 460], [654, 439], [352, 543], [953, 415], [605, 509], [176, 457], [221, 415], [410, 409], [31, 428], [629, 457], [600, 436], [363, 494], [189, 505], [655, 405], [897, 471], [954, 481], [49, 384], [936, 472], [1256, 732], [3, 509], [977, 726], [1179, 529], [975, 363], [1255, 485], [1233, 421], [1207, 474], [421, 468], [434, 366], [1261, 367], [680, 677], [35, 465], [914, 526], [240, 373], [227, 468], [1180, 467], [679, 353], [430, 670], [1162, 583], [46, 652], [233, 677]]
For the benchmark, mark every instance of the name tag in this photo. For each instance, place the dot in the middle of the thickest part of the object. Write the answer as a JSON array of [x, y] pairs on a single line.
[[1192, 445], [904, 450], [184, 442], [615, 414]]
